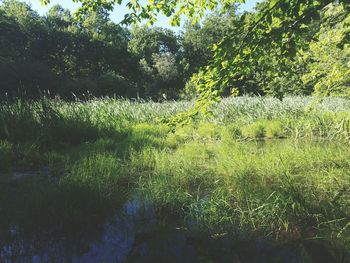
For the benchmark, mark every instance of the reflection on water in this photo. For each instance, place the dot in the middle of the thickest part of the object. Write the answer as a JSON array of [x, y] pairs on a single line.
[[113, 245], [136, 235]]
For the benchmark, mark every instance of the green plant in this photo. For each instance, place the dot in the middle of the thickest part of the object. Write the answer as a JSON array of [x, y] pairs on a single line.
[[6, 155], [254, 130], [275, 129]]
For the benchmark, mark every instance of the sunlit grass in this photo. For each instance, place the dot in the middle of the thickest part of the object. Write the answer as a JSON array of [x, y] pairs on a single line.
[[258, 167]]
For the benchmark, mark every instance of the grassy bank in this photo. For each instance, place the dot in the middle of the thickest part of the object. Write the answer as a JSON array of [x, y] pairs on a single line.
[[258, 167]]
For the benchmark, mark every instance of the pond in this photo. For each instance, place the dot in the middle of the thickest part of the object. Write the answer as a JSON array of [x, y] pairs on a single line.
[[136, 233]]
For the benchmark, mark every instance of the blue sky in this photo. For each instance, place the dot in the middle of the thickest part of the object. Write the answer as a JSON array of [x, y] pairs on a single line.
[[119, 11]]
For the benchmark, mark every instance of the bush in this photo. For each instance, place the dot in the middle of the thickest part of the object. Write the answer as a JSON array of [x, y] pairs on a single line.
[[190, 90]]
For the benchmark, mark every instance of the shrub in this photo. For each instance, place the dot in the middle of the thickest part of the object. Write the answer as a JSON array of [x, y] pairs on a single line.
[[189, 92]]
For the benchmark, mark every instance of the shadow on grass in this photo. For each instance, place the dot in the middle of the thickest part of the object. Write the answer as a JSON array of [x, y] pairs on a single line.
[[52, 124]]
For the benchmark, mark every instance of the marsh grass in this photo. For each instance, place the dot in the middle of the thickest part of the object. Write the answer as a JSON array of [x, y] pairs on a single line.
[[241, 185], [228, 174], [6, 155]]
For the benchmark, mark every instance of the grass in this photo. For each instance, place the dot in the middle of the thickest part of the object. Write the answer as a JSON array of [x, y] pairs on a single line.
[[258, 168]]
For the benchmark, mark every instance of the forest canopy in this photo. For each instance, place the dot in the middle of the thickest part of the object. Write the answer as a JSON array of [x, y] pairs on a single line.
[[280, 48]]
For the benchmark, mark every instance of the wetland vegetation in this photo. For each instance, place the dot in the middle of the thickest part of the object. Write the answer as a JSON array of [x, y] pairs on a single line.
[[258, 168]]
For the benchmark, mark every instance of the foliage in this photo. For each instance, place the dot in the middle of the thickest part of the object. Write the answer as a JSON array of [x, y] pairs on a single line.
[[198, 39], [56, 55], [329, 67], [190, 92], [280, 27], [159, 61], [146, 41], [175, 9], [256, 52]]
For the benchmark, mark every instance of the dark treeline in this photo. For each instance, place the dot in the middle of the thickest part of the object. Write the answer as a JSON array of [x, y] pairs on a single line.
[[57, 55], [54, 54]]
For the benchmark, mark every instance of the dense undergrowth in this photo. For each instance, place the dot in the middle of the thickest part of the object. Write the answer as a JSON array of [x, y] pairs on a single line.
[[257, 167]]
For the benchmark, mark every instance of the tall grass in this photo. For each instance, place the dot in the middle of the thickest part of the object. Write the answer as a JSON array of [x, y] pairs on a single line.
[[269, 187], [231, 173], [76, 122]]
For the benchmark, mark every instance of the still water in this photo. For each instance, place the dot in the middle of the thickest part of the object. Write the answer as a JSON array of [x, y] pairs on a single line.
[[136, 234], [47, 222]]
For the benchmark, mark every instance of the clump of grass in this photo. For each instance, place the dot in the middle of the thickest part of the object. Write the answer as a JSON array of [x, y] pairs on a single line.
[[255, 130], [50, 123], [102, 173], [140, 165], [25, 156], [275, 129], [19, 122], [6, 155], [209, 131], [264, 129], [143, 135], [180, 176], [232, 131], [57, 163]]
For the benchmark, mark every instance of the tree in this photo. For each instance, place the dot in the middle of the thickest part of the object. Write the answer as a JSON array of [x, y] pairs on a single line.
[[22, 40], [328, 67], [12, 41], [30, 25], [59, 18], [198, 39], [195, 9], [158, 53], [56, 52], [146, 41], [280, 23]]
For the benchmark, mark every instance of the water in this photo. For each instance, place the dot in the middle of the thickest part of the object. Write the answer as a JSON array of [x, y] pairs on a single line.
[[136, 234]]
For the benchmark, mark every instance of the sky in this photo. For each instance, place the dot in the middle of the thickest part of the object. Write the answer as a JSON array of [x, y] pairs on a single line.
[[118, 13]]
